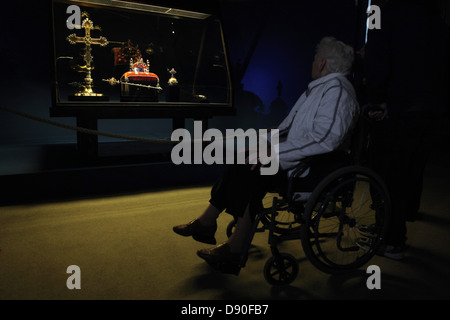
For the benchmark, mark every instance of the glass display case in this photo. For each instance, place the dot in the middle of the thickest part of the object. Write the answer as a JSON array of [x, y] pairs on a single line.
[[122, 59], [120, 51]]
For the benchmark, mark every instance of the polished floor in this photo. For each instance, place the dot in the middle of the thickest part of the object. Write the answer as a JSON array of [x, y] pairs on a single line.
[[125, 249]]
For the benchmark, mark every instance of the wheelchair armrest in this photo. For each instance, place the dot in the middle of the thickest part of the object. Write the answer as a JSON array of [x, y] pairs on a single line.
[[306, 163], [297, 172], [337, 156]]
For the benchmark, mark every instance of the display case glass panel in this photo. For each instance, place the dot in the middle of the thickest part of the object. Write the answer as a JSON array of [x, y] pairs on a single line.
[[122, 52]]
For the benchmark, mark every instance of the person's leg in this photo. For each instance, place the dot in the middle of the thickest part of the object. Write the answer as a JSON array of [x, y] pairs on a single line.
[[227, 256], [390, 158], [242, 233], [422, 129], [209, 216], [231, 192]]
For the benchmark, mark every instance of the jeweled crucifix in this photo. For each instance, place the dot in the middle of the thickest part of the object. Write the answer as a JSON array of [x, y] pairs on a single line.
[[87, 25]]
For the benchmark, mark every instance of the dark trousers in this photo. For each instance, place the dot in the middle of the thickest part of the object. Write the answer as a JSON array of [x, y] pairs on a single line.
[[239, 187], [398, 152]]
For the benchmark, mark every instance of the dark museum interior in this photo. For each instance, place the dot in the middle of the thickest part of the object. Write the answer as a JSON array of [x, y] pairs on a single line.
[[107, 201]]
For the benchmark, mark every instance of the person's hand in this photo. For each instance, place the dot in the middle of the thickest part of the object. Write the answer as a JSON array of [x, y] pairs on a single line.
[[252, 158], [362, 52], [378, 112]]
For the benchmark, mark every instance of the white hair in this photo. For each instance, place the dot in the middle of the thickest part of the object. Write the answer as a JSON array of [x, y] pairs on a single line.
[[339, 55]]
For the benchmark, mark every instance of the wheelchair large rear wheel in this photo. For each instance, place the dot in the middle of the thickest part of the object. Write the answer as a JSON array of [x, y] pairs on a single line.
[[345, 219]]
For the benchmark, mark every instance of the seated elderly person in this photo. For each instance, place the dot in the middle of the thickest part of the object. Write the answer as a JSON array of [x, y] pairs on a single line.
[[319, 123]]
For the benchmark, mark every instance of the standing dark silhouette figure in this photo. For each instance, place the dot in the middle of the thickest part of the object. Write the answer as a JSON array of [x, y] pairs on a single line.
[[406, 71]]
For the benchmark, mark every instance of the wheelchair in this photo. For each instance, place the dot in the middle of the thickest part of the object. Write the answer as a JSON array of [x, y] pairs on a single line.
[[341, 222]]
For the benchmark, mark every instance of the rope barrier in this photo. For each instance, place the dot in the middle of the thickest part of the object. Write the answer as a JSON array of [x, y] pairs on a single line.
[[83, 130], [101, 133]]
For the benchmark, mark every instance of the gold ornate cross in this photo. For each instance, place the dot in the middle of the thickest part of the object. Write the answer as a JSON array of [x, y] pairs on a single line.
[[87, 25]]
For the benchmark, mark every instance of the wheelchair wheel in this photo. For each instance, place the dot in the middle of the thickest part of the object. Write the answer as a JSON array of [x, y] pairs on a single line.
[[285, 220], [345, 219], [281, 270]]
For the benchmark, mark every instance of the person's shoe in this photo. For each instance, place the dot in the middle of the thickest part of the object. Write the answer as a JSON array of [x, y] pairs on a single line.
[[199, 232], [368, 231], [364, 244], [393, 252], [221, 258]]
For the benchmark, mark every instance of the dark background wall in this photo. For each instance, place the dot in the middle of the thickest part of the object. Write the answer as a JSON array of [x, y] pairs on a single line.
[[270, 45]]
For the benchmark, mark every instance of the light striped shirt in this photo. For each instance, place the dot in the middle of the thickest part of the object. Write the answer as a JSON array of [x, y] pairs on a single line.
[[320, 120]]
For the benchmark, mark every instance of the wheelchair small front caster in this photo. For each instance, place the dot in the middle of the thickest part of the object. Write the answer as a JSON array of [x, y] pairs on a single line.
[[281, 270]]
